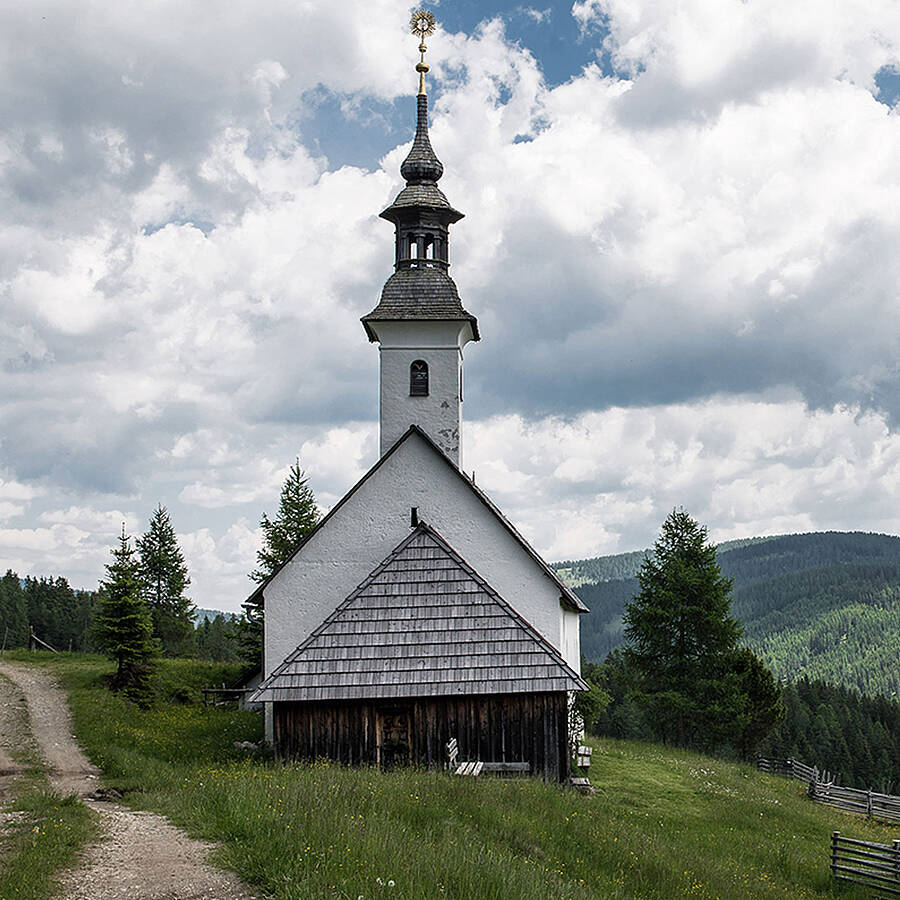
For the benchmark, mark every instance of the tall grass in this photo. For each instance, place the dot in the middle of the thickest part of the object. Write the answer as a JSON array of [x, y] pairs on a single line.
[[664, 824]]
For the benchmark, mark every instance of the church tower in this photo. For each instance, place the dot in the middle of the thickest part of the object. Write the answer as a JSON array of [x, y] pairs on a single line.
[[420, 323]]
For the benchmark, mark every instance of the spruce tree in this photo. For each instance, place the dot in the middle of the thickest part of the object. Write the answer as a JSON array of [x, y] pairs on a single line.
[[682, 640], [297, 516], [164, 575], [13, 612], [762, 708], [123, 629]]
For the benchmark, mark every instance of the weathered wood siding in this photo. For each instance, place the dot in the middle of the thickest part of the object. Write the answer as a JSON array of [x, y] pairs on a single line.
[[493, 728]]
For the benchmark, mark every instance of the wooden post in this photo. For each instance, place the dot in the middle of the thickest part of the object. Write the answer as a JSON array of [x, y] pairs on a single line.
[[32, 646], [896, 846], [869, 803], [834, 849]]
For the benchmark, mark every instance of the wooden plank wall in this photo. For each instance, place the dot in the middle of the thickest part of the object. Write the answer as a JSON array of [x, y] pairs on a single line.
[[493, 728]]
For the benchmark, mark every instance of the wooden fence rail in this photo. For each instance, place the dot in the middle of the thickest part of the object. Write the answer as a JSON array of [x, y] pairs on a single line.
[[867, 803], [822, 789], [874, 866]]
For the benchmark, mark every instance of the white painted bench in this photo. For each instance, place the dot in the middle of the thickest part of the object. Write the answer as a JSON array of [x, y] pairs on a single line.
[[476, 767]]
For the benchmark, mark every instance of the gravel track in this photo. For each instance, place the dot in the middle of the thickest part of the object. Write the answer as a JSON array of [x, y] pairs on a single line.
[[140, 856], [13, 736]]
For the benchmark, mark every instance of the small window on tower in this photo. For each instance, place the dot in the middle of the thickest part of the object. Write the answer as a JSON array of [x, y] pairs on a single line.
[[418, 379]]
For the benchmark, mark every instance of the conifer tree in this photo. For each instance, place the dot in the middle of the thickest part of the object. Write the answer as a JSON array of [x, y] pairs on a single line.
[[13, 612], [164, 577], [123, 629], [762, 708], [682, 640], [297, 516]]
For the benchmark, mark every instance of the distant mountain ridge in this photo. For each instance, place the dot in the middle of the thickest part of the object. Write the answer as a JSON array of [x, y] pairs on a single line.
[[201, 615], [825, 604]]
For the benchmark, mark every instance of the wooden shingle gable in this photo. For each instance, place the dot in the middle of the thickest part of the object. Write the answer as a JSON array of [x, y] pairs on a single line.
[[423, 623]]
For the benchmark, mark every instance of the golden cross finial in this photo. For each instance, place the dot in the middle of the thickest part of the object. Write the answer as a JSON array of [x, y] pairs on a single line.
[[422, 24]]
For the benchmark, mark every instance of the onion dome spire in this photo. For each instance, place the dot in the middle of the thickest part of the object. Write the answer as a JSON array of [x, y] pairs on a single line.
[[422, 166], [420, 287]]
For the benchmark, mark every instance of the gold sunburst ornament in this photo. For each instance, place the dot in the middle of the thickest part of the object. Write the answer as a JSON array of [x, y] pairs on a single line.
[[422, 23]]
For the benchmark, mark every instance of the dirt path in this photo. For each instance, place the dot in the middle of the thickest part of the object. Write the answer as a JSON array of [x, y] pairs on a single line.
[[13, 715], [141, 856]]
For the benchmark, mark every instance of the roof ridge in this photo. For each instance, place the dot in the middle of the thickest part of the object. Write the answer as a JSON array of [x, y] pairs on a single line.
[[567, 594]]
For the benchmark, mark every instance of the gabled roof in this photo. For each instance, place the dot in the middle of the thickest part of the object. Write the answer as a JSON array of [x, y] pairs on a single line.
[[567, 596], [422, 624]]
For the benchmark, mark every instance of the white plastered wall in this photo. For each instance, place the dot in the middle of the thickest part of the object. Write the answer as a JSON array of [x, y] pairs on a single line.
[[370, 524], [438, 343]]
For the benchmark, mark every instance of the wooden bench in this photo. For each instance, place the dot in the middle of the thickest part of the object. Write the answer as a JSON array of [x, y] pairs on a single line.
[[476, 767]]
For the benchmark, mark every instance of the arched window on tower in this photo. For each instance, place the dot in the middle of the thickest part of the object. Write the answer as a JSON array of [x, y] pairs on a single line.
[[418, 378]]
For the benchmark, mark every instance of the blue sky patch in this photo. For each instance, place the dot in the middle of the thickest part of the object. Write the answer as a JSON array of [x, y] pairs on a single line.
[[887, 83]]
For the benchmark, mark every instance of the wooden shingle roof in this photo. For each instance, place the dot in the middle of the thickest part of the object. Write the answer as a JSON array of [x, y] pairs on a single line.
[[420, 294], [424, 623]]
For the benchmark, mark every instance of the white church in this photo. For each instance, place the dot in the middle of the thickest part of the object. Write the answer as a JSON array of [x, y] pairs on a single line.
[[415, 613]]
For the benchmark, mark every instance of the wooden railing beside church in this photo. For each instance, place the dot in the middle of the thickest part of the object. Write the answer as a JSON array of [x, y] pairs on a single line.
[[873, 866], [822, 789]]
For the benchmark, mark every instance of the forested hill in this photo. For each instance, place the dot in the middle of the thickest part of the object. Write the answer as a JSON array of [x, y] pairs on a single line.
[[824, 605]]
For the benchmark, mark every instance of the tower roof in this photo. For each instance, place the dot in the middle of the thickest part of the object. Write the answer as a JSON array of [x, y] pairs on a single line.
[[419, 295], [420, 288]]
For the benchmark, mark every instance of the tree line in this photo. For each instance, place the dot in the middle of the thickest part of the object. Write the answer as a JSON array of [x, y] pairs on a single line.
[[854, 737], [141, 608], [682, 676], [62, 616], [66, 618], [824, 605]]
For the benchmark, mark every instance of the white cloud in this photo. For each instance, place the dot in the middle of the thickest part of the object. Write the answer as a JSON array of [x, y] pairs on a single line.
[[219, 568], [604, 482], [13, 490], [728, 45], [685, 274]]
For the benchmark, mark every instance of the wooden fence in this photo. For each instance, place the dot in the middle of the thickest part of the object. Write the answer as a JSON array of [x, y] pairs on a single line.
[[822, 789], [867, 803], [788, 768], [874, 866]]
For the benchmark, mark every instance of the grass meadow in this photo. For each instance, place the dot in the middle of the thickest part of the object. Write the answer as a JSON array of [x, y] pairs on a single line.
[[663, 824]]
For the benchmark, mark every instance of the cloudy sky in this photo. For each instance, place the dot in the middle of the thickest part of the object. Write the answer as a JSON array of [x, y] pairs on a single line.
[[681, 233]]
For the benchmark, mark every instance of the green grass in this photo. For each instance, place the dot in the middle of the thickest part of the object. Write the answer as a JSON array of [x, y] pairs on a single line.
[[663, 825], [43, 832]]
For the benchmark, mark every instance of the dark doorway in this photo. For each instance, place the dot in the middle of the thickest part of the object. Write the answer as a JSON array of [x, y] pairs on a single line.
[[393, 737]]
